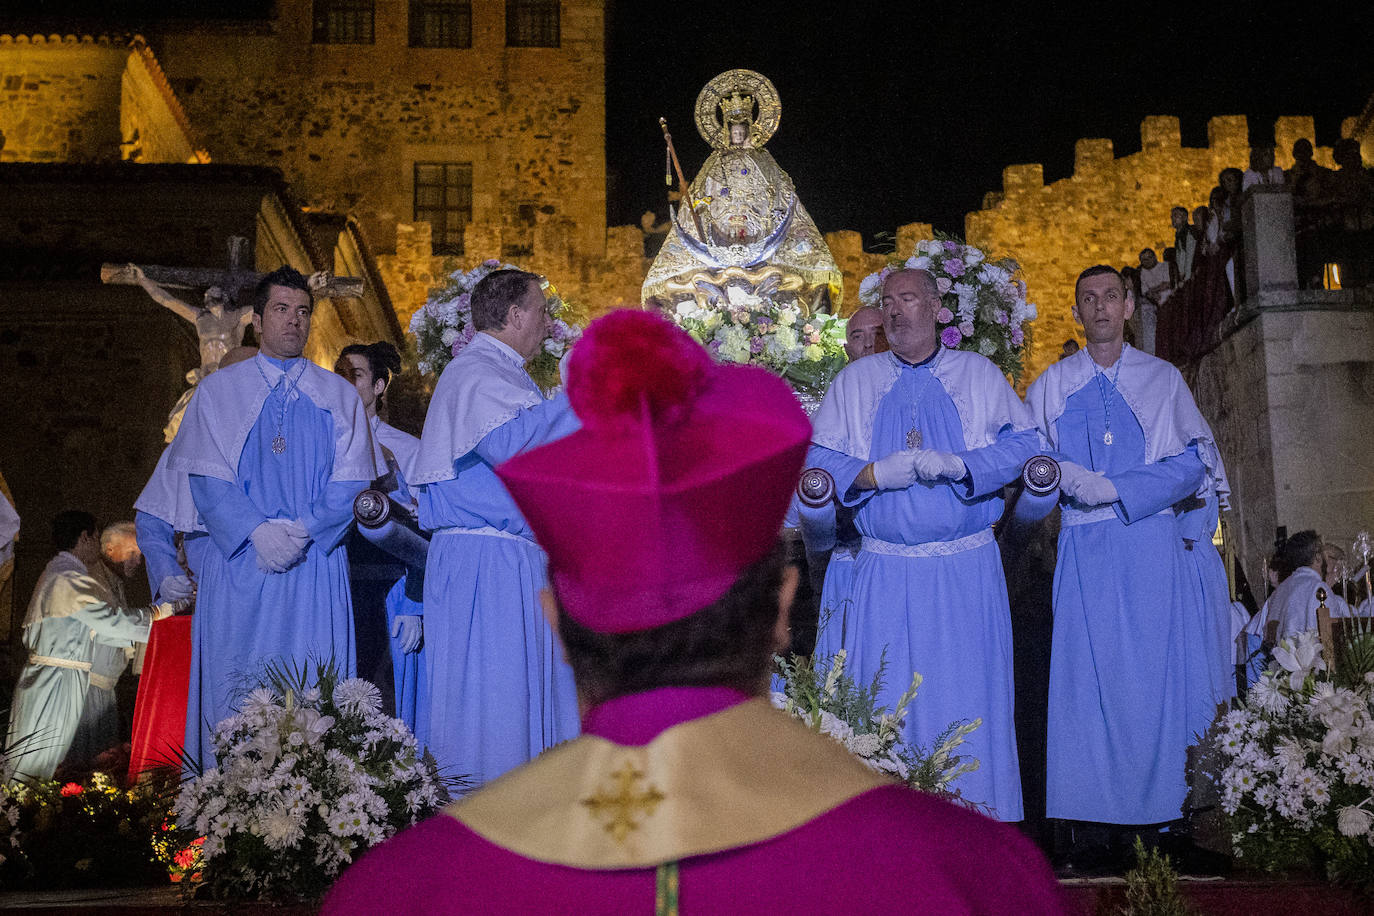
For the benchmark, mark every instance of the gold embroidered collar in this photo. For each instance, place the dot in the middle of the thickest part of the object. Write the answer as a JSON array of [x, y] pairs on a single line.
[[733, 778]]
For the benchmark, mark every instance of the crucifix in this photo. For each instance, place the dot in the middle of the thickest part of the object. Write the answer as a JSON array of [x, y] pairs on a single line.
[[220, 319]]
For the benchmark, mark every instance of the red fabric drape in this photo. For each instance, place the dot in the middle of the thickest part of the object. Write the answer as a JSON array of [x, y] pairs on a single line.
[[160, 711], [1186, 326]]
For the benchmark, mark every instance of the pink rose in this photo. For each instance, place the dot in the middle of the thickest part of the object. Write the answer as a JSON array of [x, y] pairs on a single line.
[[944, 316]]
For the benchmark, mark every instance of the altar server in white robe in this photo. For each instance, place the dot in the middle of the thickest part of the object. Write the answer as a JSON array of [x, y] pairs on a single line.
[[70, 613], [500, 691], [1130, 675], [100, 728], [921, 441], [1294, 603], [276, 449]]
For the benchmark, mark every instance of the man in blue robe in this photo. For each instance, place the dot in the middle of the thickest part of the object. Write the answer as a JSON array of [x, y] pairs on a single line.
[[71, 613], [276, 449], [1130, 674], [500, 691], [387, 612], [921, 440]]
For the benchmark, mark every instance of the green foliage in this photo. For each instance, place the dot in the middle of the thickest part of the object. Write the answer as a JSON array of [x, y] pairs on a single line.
[[1152, 886], [91, 834]]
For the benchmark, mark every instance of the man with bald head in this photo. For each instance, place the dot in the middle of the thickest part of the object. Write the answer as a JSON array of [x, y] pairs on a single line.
[[863, 333], [920, 440]]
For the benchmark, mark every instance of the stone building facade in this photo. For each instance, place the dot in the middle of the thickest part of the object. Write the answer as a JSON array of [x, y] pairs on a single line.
[[447, 129], [86, 99], [1110, 208]]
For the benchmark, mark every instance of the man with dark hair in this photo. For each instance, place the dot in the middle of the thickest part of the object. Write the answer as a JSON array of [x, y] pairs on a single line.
[[1129, 678], [1294, 603], [71, 613], [499, 693], [387, 614], [686, 787], [920, 441], [276, 448]]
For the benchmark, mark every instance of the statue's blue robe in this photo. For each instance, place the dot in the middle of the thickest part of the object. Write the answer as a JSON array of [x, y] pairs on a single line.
[[1129, 676], [500, 691], [945, 617], [246, 618]]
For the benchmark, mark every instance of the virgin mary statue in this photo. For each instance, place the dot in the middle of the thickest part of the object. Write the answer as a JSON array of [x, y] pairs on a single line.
[[742, 224]]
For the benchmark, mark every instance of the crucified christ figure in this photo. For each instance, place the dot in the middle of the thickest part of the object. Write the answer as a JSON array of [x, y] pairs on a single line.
[[219, 323]]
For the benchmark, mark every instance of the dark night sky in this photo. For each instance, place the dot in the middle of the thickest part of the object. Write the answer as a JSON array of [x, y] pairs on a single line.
[[906, 111]]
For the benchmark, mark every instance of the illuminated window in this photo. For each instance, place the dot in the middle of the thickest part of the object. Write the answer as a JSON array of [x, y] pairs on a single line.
[[343, 22], [532, 23], [443, 198], [440, 24]]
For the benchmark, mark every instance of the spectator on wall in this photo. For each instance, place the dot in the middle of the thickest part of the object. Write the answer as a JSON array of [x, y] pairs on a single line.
[[1186, 241], [1262, 169]]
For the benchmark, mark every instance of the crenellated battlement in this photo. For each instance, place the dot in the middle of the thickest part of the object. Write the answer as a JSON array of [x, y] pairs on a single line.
[[1111, 207]]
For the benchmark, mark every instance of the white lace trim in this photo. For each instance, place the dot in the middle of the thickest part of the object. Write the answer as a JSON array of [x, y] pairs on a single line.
[[930, 549]]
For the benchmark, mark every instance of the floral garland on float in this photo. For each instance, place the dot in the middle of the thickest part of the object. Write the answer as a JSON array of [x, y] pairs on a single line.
[[311, 774], [750, 327], [984, 301], [443, 326], [827, 700], [1297, 760]]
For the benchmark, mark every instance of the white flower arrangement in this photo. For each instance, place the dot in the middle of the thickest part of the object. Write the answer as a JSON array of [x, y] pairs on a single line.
[[828, 701], [1297, 761], [984, 302], [443, 326], [740, 326], [311, 774]]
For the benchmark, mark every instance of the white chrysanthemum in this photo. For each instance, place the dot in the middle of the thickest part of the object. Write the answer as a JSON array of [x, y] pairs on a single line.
[[1354, 820], [973, 256], [917, 262], [1265, 694], [357, 695], [449, 336]]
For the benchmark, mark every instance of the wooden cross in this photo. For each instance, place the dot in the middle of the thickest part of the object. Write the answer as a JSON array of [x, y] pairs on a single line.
[[236, 281], [620, 806]]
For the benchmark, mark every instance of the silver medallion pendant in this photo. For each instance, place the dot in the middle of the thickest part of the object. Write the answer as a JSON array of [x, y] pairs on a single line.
[[913, 438], [1107, 438], [278, 445]]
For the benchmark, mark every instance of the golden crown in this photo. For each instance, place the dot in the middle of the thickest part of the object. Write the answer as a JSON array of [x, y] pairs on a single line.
[[737, 109]]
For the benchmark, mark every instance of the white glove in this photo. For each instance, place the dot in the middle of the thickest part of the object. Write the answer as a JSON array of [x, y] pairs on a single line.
[[174, 588], [277, 545], [1069, 476], [897, 471], [1094, 490], [407, 629], [932, 465]]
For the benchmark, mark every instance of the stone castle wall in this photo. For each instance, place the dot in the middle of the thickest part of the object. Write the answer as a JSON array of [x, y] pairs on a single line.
[[70, 99], [347, 123], [1108, 210]]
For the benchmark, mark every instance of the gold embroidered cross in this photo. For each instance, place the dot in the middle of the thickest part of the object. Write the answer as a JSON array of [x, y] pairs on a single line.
[[619, 806]]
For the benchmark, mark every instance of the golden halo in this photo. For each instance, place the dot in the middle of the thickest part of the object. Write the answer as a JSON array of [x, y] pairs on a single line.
[[745, 82]]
